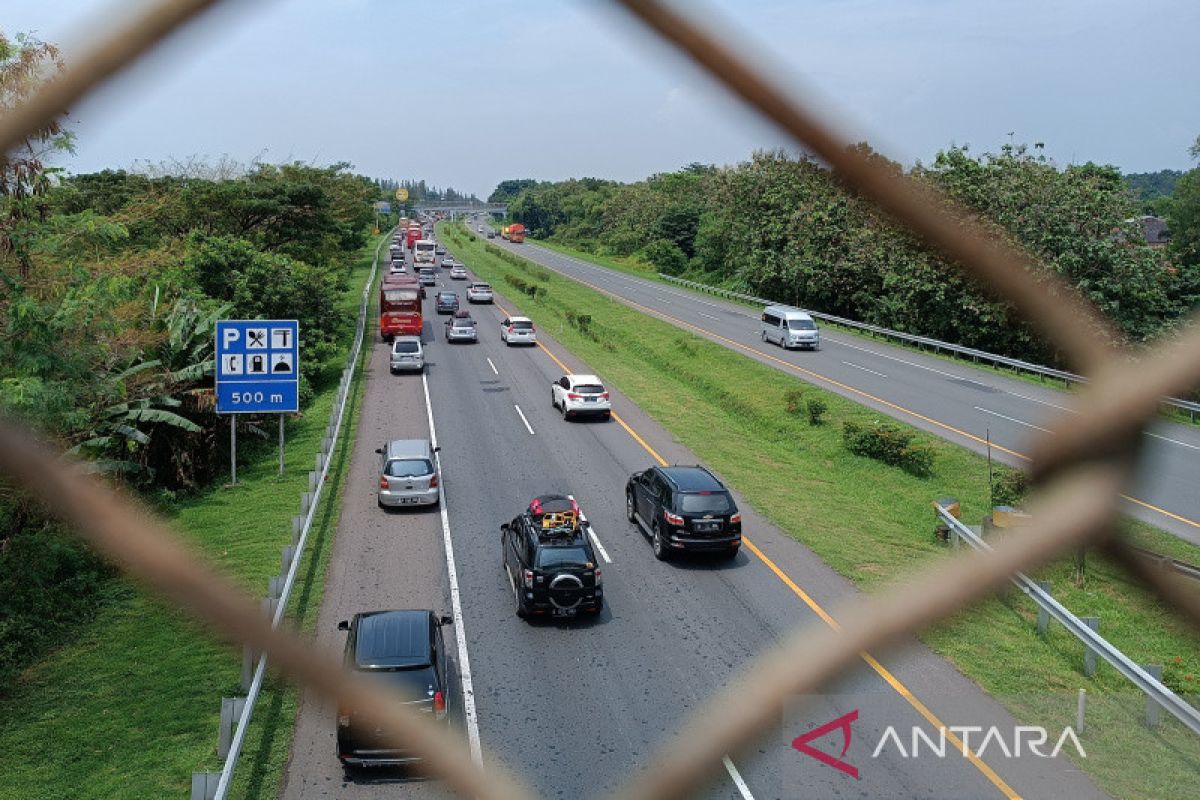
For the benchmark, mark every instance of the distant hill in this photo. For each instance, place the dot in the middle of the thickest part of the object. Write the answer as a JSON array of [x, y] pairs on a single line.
[[1153, 185]]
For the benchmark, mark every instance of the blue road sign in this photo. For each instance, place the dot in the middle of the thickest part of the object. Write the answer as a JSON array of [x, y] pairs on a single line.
[[258, 366]]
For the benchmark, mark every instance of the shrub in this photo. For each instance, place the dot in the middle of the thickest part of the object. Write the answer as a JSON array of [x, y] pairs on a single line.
[[889, 444], [1009, 487], [793, 400], [815, 408], [666, 257]]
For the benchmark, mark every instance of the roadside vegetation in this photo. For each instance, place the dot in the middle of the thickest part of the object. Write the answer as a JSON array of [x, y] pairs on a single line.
[[785, 228], [873, 522]]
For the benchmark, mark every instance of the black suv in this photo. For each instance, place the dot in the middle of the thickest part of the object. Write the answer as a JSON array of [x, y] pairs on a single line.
[[405, 650], [549, 560], [684, 508], [446, 302]]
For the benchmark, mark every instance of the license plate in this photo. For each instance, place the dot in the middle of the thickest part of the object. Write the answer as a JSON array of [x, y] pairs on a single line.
[[708, 527], [590, 399], [564, 612]]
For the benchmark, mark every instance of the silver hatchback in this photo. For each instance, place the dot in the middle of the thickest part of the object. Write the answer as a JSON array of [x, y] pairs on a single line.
[[408, 474], [407, 354]]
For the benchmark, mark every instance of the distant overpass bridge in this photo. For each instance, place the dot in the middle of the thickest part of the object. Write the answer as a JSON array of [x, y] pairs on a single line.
[[463, 208]]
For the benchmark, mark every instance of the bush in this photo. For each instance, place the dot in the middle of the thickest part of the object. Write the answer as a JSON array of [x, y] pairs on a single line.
[[815, 408], [581, 322], [1009, 487], [889, 444], [666, 257], [793, 400]]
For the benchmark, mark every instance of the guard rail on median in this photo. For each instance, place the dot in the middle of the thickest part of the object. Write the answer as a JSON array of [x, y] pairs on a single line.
[[1182, 710], [938, 346], [215, 786]]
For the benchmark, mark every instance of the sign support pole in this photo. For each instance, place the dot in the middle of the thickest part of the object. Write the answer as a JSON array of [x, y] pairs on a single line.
[[232, 449], [281, 444]]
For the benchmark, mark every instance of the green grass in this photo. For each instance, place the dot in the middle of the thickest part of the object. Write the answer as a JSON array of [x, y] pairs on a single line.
[[873, 523], [631, 265], [130, 708]]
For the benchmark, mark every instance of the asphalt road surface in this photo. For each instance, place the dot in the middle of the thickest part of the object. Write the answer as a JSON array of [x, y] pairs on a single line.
[[577, 708], [954, 401]]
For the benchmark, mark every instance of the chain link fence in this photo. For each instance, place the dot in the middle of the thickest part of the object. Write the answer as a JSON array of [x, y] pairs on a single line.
[[1081, 467]]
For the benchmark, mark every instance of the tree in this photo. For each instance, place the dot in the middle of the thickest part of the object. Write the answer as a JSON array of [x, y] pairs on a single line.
[[25, 63], [1182, 210]]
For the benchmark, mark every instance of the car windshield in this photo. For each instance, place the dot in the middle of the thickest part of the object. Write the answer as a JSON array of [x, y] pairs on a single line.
[[408, 467], [406, 347], [521, 324], [802, 325], [589, 388], [705, 503], [550, 557], [418, 683]]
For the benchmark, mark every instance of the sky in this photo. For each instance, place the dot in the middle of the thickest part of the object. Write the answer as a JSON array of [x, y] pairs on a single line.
[[467, 94]]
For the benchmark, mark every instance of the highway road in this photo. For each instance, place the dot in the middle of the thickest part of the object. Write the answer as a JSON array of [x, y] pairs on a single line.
[[576, 708], [952, 400]]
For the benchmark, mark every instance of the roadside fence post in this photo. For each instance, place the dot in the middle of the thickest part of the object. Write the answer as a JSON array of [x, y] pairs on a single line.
[[204, 785], [231, 709], [1089, 655], [297, 526], [287, 553], [275, 586], [1043, 620], [1153, 709]]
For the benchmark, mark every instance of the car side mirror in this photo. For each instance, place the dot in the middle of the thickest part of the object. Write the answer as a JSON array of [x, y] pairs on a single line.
[[504, 528], [446, 619], [379, 450], [344, 625]]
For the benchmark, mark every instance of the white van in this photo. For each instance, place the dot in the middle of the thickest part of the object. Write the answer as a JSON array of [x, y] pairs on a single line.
[[790, 327]]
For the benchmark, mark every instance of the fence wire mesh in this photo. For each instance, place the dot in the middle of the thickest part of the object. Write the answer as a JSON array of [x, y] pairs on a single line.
[[1080, 466]]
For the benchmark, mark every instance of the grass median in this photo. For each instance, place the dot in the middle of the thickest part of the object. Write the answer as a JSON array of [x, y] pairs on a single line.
[[873, 523], [130, 708]]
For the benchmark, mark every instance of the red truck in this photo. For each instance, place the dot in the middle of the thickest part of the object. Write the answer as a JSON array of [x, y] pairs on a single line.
[[516, 233], [400, 307], [414, 233]]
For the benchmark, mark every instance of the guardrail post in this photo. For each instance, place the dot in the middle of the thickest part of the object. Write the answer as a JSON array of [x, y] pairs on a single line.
[[1152, 707], [306, 502], [297, 526], [287, 553], [275, 586], [313, 476], [269, 605], [1089, 655], [204, 785], [1043, 622], [248, 656], [231, 709], [320, 461]]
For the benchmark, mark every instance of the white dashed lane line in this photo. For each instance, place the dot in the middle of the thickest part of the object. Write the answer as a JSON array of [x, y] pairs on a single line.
[[522, 415]]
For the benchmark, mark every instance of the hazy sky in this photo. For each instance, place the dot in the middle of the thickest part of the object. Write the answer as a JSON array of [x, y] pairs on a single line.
[[469, 93]]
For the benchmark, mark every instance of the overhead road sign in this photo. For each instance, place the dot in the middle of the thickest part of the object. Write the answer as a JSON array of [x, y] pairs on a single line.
[[258, 366]]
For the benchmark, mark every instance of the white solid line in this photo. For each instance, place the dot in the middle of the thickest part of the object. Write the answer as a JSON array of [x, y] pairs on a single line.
[[1013, 419], [909, 363], [600, 547], [493, 366], [864, 369], [1043, 402], [737, 779], [1173, 441], [522, 413], [460, 633]]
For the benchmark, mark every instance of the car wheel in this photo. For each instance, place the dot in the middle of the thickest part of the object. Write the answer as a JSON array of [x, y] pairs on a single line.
[[607, 416], [763, 334], [629, 508], [565, 414], [660, 546], [730, 554], [553, 402]]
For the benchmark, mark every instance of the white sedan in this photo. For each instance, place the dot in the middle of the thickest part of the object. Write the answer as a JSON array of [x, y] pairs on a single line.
[[479, 293], [577, 395]]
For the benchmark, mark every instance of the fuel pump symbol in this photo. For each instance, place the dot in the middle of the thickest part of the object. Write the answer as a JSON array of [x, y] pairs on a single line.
[[257, 364]]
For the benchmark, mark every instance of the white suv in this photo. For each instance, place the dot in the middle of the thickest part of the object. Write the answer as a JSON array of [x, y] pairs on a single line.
[[576, 395], [518, 330], [479, 293]]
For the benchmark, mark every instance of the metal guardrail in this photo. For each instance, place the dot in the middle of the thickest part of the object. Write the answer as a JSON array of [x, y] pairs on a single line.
[[339, 408], [1185, 712], [967, 352]]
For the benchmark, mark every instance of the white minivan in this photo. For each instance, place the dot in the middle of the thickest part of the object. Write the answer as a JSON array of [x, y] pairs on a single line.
[[790, 327]]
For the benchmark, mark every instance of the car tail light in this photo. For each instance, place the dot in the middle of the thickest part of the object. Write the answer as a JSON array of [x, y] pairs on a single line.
[[433, 482], [383, 484], [573, 396], [528, 579], [439, 704], [533, 329], [604, 395], [672, 519], [599, 580], [736, 518], [343, 717]]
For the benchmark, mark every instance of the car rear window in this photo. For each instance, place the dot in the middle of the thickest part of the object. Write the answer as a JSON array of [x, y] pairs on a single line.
[[550, 557], [407, 347], [521, 325], [464, 323], [419, 683], [408, 467], [446, 297], [589, 388], [705, 503], [481, 287]]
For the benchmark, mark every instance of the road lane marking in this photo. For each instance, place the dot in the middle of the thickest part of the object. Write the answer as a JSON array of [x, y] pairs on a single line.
[[845, 387], [1014, 419], [737, 779], [592, 535], [710, 316], [460, 633], [522, 415], [493, 366], [1042, 402], [864, 369], [1172, 441]]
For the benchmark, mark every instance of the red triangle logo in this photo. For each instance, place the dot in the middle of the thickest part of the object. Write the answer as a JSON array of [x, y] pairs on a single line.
[[842, 723]]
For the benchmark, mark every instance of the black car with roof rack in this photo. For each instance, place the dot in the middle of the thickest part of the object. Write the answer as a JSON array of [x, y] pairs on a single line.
[[549, 560], [405, 650], [684, 508]]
